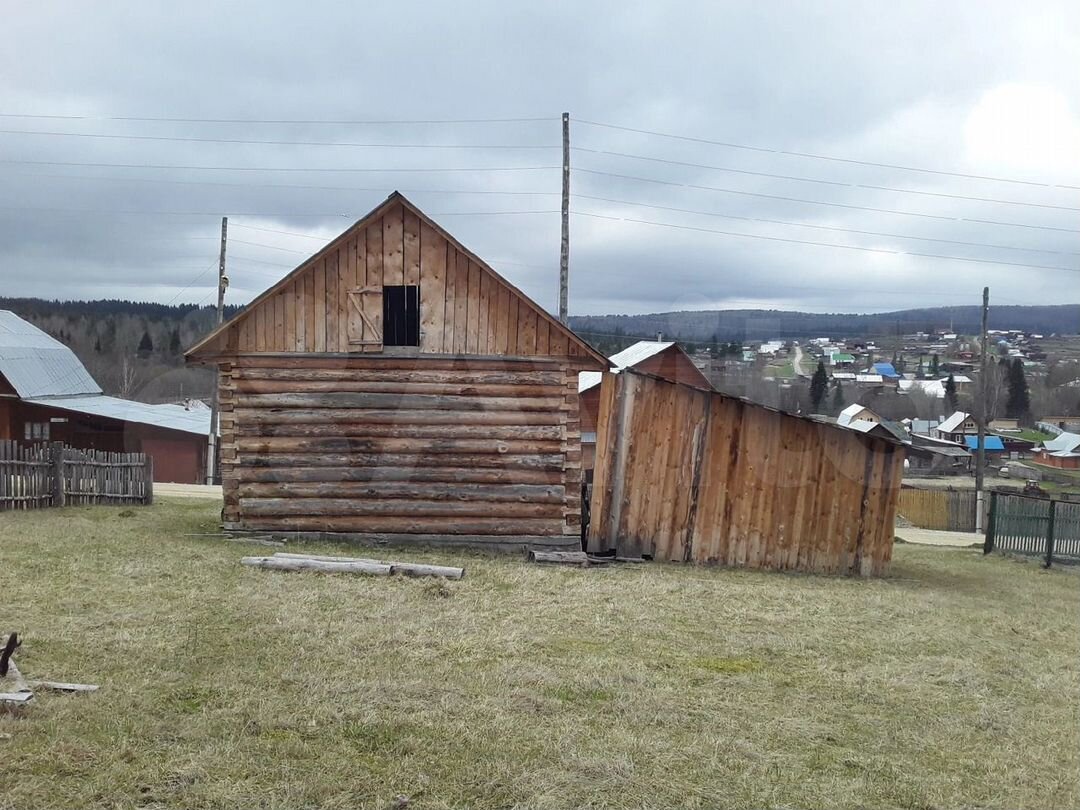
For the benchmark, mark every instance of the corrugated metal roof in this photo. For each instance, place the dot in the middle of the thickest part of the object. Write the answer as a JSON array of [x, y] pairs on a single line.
[[173, 417], [588, 379], [36, 365], [1062, 443], [953, 422], [992, 443], [639, 352]]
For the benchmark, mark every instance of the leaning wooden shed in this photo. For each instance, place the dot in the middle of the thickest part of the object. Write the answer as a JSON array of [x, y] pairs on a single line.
[[690, 475], [394, 386]]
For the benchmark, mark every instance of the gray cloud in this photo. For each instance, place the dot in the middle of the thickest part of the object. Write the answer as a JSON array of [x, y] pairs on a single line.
[[985, 89]]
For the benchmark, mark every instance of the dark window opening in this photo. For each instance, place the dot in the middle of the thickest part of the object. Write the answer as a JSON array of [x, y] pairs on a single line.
[[401, 315]]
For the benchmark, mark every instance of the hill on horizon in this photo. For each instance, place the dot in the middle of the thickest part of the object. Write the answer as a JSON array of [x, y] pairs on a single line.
[[761, 324]]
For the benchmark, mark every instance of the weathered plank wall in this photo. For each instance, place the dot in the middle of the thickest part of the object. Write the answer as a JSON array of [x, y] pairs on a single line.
[[383, 445], [328, 304], [689, 475]]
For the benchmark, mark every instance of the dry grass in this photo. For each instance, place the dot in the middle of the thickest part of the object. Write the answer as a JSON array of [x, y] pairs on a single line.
[[951, 684]]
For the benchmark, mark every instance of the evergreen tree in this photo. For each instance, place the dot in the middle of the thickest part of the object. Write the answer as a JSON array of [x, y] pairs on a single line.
[[838, 402], [935, 367], [951, 399], [819, 384], [174, 342], [1018, 405], [146, 345]]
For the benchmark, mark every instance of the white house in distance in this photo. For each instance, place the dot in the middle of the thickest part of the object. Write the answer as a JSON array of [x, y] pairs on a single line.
[[857, 413]]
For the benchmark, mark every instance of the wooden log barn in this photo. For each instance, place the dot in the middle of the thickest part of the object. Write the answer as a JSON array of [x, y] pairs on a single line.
[[691, 475], [394, 386]]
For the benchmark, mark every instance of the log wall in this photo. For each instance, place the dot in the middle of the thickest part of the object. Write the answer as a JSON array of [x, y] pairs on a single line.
[[685, 474], [409, 446]]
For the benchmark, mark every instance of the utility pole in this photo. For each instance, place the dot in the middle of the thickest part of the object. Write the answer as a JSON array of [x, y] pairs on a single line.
[[980, 458], [564, 252], [223, 282]]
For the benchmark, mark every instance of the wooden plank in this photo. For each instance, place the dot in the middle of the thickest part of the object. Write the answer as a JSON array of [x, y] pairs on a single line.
[[502, 320], [462, 304], [439, 526], [406, 430], [550, 461], [310, 326], [464, 373], [432, 280], [394, 416], [404, 401], [411, 248], [393, 246], [408, 473], [320, 303], [472, 327], [404, 568], [512, 325], [483, 332], [527, 318], [378, 444], [412, 490], [375, 273], [450, 306], [394, 387], [288, 338]]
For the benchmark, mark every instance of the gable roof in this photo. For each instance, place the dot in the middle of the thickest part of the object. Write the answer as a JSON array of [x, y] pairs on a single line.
[[953, 422], [37, 365], [1062, 443], [639, 352], [847, 416], [627, 358], [396, 198]]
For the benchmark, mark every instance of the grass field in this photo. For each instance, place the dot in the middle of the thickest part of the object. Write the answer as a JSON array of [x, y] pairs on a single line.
[[952, 683]]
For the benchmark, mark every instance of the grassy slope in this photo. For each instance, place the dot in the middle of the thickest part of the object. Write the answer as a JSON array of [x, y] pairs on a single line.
[[952, 683]]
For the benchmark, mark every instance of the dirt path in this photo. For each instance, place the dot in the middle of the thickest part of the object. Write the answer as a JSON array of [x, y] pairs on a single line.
[[188, 491], [930, 537]]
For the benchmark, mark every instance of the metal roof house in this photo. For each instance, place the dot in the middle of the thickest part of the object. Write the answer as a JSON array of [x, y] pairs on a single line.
[[46, 394]]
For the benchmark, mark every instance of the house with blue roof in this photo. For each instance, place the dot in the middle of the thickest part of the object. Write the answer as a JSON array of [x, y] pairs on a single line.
[[886, 370]]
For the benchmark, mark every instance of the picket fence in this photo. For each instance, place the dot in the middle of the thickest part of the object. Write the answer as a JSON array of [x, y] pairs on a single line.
[[43, 475]]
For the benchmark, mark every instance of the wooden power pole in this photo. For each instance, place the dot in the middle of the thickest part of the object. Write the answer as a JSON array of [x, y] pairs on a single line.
[[223, 282], [564, 252], [980, 457]]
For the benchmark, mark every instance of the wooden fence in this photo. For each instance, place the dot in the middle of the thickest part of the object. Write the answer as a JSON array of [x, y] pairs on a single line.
[[690, 475], [945, 510], [1037, 526], [43, 475]]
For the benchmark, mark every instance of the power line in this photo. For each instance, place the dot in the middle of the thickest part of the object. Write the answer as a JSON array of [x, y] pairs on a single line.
[[358, 122], [173, 181], [275, 230], [823, 244], [256, 213], [768, 150], [334, 169], [825, 227], [824, 182], [850, 206], [191, 139]]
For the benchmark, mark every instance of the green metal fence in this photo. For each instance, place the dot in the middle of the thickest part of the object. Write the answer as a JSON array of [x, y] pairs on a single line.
[[1037, 526]]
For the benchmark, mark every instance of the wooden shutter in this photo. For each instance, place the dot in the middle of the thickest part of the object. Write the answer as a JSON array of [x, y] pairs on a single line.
[[365, 316]]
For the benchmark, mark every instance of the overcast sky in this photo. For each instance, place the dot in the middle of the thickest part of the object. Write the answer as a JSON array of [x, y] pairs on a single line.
[[977, 88]]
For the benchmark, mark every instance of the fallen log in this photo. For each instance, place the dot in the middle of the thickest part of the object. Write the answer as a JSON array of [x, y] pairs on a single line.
[[307, 564], [405, 568], [565, 558], [59, 686]]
